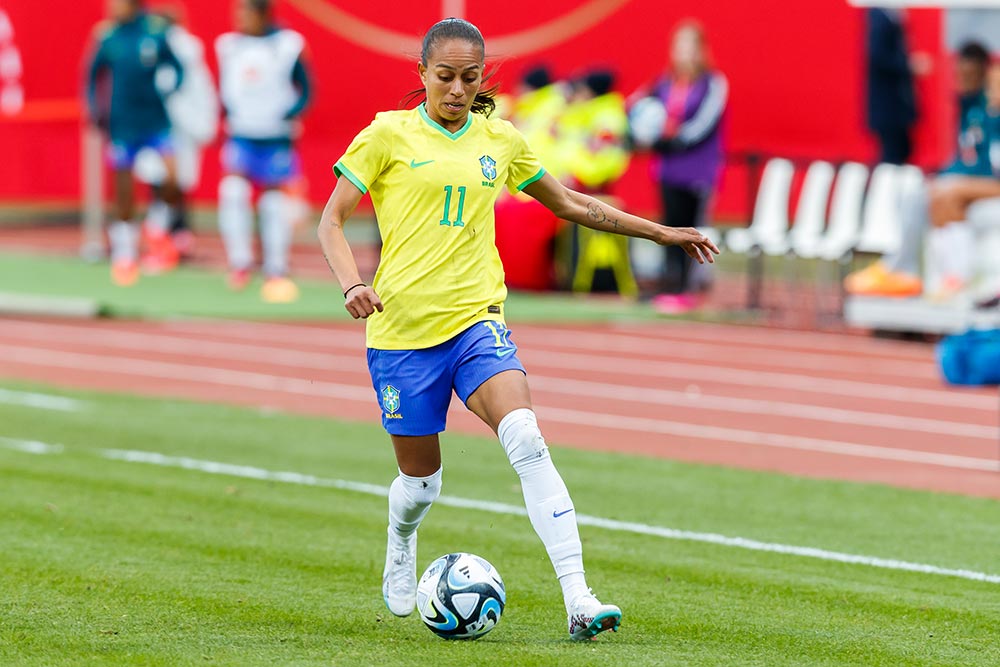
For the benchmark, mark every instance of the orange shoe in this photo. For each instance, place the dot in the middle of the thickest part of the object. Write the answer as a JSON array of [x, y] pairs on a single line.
[[238, 279], [877, 281], [162, 256], [124, 273], [279, 290]]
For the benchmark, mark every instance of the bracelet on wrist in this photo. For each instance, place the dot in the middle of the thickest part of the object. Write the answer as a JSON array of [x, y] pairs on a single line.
[[352, 287]]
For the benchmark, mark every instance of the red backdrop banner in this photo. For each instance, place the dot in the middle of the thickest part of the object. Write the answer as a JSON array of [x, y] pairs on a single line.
[[796, 72]]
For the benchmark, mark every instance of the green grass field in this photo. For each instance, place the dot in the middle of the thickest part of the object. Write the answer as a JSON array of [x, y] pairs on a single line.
[[192, 292], [116, 562]]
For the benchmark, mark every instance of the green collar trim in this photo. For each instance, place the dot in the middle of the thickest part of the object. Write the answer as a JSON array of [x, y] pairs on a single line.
[[451, 135]]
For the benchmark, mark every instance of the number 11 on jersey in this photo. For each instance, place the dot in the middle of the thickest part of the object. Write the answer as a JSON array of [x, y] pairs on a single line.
[[458, 222]]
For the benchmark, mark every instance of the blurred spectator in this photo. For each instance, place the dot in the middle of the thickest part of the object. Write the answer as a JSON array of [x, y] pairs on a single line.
[[691, 99], [526, 230], [952, 245], [898, 274], [591, 155], [11, 91], [194, 114], [535, 112], [264, 89], [131, 48], [892, 107], [592, 133]]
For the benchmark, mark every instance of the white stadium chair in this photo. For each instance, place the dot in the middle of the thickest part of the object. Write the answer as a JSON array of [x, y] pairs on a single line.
[[880, 223], [810, 214], [769, 226], [845, 213]]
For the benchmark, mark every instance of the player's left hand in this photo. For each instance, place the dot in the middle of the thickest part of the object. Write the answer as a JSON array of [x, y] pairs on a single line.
[[698, 246]]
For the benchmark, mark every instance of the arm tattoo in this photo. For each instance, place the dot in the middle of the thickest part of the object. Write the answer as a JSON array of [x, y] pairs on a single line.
[[596, 213]]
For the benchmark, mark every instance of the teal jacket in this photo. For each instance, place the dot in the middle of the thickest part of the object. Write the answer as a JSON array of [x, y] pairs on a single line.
[[130, 54], [973, 157]]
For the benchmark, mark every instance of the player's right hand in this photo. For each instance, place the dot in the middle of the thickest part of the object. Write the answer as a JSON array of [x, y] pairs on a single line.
[[362, 301]]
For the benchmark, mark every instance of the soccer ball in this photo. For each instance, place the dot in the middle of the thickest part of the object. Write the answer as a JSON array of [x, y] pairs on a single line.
[[646, 121], [461, 596]]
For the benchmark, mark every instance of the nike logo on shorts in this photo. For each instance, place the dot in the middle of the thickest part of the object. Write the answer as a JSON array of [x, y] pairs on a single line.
[[556, 515], [414, 164], [503, 352]]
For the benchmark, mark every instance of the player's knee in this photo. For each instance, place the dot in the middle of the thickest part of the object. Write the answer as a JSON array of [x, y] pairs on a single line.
[[522, 439], [422, 491], [273, 202], [234, 190]]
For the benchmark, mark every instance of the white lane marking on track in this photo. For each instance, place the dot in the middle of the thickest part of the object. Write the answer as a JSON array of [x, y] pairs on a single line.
[[321, 389], [543, 358], [731, 436], [253, 472], [758, 407], [42, 401], [645, 367], [729, 354], [314, 360]]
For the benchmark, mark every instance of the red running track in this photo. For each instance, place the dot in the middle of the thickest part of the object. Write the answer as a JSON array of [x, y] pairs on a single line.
[[815, 404]]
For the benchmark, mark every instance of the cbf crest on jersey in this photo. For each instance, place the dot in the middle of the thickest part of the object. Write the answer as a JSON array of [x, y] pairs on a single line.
[[489, 166], [390, 399]]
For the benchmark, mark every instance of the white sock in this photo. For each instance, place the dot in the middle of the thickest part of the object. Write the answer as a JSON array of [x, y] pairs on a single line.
[[549, 506], [123, 237], [158, 218], [236, 221], [410, 498], [961, 256], [275, 232]]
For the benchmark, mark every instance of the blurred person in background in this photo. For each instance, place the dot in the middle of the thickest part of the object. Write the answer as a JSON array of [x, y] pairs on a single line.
[[691, 99], [536, 110], [264, 87], [591, 135], [194, 114], [892, 106], [591, 155], [931, 207], [952, 245], [132, 47], [525, 230]]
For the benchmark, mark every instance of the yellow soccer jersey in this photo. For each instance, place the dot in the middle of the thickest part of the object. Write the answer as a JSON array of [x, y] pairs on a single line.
[[434, 192]]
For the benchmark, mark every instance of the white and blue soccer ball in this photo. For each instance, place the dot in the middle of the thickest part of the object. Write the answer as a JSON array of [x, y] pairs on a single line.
[[647, 120], [461, 596]]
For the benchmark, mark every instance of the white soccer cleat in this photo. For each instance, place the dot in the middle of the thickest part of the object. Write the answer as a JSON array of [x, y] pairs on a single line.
[[588, 617], [399, 579]]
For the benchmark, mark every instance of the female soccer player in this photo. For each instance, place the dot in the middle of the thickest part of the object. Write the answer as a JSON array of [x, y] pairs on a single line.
[[436, 306]]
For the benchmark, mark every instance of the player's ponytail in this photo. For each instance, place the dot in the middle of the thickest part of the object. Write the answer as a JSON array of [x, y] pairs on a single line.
[[453, 28]]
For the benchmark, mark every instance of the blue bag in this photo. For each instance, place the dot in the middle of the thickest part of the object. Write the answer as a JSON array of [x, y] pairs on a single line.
[[971, 358]]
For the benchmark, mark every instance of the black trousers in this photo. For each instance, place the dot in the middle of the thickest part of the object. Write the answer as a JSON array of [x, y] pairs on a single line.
[[896, 144], [682, 207]]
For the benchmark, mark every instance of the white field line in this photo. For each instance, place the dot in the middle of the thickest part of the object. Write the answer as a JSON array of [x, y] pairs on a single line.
[[253, 472], [354, 345], [321, 389], [166, 343], [30, 446], [41, 401]]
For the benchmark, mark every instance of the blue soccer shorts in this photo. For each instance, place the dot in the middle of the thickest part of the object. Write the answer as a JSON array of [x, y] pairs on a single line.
[[265, 163], [122, 152], [414, 386]]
